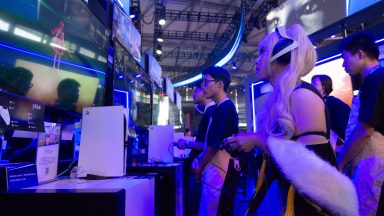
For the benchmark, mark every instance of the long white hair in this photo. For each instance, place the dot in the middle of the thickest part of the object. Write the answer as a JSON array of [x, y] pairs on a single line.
[[277, 119]]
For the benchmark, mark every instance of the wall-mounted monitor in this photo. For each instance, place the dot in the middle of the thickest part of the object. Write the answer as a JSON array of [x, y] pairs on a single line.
[[178, 100], [53, 51], [169, 90], [312, 15], [158, 97], [132, 88], [154, 70], [126, 33]]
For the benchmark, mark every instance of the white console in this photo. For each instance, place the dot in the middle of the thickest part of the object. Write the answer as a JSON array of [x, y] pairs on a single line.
[[102, 145], [160, 147]]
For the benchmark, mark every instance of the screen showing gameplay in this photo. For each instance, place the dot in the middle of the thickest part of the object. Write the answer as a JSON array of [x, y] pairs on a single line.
[[53, 51], [126, 33]]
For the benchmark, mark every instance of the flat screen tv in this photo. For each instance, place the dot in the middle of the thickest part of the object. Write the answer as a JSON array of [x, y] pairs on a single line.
[[126, 33], [169, 90], [158, 95], [132, 87], [53, 51], [154, 70]]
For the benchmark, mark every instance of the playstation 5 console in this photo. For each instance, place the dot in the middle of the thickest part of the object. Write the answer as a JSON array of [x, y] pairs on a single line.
[[103, 137], [160, 145]]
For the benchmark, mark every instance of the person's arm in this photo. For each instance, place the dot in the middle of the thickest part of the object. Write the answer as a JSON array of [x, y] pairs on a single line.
[[370, 116], [220, 127], [183, 144], [203, 159], [354, 144]]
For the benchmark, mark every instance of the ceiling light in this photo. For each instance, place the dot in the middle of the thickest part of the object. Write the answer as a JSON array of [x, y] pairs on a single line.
[[132, 16], [234, 67], [162, 21], [160, 39], [159, 52]]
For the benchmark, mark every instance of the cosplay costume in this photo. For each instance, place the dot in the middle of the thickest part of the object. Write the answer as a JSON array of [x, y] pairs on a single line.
[[300, 179], [318, 187]]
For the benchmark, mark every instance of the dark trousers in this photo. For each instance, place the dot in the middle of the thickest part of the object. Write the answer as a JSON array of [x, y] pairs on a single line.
[[228, 193]]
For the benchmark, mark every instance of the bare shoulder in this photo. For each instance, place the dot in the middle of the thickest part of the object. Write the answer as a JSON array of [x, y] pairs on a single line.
[[307, 99]]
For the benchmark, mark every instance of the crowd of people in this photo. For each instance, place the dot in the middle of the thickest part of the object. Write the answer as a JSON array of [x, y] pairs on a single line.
[[303, 172]]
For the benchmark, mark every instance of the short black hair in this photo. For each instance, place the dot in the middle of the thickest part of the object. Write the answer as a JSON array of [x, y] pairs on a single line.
[[364, 41], [326, 82], [66, 84], [218, 73], [197, 84]]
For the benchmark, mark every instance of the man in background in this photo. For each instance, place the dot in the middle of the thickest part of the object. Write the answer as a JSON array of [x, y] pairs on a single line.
[[364, 149], [68, 94], [215, 166], [197, 146]]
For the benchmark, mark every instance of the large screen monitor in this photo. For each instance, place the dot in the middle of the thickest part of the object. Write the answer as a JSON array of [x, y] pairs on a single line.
[[158, 95], [132, 88], [311, 14], [126, 33], [169, 90], [53, 51], [154, 70]]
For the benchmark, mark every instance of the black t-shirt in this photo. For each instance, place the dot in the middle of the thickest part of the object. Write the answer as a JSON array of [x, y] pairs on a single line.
[[339, 113], [202, 130], [372, 100], [224, 123]]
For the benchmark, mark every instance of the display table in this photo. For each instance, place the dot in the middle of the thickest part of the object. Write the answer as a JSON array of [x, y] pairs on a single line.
[[169, 186], [132, 195]]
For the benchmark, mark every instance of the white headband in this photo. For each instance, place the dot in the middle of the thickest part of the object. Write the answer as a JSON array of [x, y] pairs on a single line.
[[281, 31]]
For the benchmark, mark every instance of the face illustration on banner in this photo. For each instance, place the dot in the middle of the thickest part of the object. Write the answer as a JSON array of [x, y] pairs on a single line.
[[313, 15]]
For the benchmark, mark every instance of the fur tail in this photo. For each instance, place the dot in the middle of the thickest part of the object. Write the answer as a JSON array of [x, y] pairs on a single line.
[[315, 178]]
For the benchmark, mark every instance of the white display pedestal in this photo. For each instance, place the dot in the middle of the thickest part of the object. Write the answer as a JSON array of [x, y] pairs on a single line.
[[139, 193]]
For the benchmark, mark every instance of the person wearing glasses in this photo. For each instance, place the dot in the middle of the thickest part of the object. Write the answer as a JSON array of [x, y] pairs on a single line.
[[299, 175], [215, 166], [197, 146]]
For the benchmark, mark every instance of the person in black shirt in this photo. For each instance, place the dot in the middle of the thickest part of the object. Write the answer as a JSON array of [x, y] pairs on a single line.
[[338, 110], [197, 147], [364, 149], [214, 165]]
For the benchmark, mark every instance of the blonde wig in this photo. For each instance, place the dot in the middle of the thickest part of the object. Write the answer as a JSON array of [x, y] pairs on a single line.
[[277, 119]]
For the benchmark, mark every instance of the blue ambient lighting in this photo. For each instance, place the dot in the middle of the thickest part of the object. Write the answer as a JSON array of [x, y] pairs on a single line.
[[49, 58]]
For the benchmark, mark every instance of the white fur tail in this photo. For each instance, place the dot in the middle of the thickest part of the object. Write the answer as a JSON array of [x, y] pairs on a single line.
[[314, 177]]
